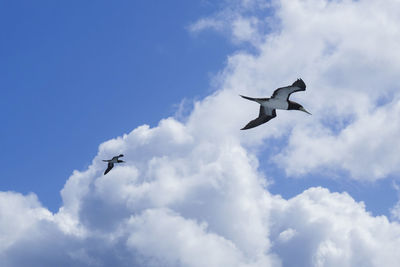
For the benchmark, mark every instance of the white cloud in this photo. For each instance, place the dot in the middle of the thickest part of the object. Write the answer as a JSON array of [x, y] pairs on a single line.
[[395, 210], [174, 240], [344, 50], [226, 218], [366, 148], [14, 225], [332, 229], [191, 194], [286, 235], [236, 21], [206, 23], [191, 203]]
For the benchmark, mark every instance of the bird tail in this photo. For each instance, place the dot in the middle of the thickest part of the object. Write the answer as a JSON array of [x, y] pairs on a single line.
[[299, 83], [258, 100]]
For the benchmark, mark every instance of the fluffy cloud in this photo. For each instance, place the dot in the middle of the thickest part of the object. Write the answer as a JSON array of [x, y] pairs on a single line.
[[320, 228], [366, 147], [350, 60], [190, 203], [191, 193], [344, 50]]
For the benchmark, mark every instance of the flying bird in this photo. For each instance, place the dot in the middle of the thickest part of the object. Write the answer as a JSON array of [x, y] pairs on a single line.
[[278, 100], [112, 161]]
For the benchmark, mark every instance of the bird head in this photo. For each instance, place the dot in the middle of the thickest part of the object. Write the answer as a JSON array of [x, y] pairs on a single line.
[[296, 106], [304, 110]]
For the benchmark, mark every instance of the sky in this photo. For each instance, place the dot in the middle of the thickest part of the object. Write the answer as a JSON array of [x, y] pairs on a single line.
[[85, 72], [159, 82]]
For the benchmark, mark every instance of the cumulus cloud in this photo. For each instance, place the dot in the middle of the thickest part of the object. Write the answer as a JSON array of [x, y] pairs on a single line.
[[206, 204], [191, 203], [331, 229], [366, 147], [344, 52], [191, 194]]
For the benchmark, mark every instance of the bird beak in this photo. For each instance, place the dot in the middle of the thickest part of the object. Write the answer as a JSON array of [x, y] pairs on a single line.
[[304, 110]]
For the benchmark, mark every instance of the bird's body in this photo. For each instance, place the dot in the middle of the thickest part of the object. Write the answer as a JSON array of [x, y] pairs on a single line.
[[111, 162], [278, 100], [273, 103]]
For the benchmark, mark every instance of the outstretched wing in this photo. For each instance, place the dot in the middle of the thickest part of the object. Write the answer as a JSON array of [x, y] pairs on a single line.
[[109, 167], [285, 92], [265, 115]]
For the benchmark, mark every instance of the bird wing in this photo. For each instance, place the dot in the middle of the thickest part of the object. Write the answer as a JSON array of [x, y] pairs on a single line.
[[285, 92], [109, 167], [265, 115]]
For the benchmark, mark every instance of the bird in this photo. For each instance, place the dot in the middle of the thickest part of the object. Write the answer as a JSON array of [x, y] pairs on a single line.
[[111, 162], [278, 100]]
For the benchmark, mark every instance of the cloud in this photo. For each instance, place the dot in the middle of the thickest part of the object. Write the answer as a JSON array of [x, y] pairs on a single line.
[[395, 210], [237, 21], [331, 229], [17, 224], [190, 203], [191, 194], [174, 240], [344, 52], [213, 211], [365, 147], [353, 69]]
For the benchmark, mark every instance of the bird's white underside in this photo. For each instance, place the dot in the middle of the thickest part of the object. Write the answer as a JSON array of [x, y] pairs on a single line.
[[272, 103]]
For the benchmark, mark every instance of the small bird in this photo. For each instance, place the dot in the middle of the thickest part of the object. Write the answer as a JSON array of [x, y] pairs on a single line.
[[278, 100], [112, 161]]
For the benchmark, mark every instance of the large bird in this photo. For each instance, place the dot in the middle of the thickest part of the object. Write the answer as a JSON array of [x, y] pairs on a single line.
[[111, 162], [278, 100]]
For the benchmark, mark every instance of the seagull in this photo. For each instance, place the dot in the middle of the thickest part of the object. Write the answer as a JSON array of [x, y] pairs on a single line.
[[112, 161], [278, 100]]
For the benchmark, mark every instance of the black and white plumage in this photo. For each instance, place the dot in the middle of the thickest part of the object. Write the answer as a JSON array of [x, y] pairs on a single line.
[[278, 100], [111, 162]]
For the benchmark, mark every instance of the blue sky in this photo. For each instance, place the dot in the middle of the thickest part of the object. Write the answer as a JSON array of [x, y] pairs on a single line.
[[159, 81], [84, 72]]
